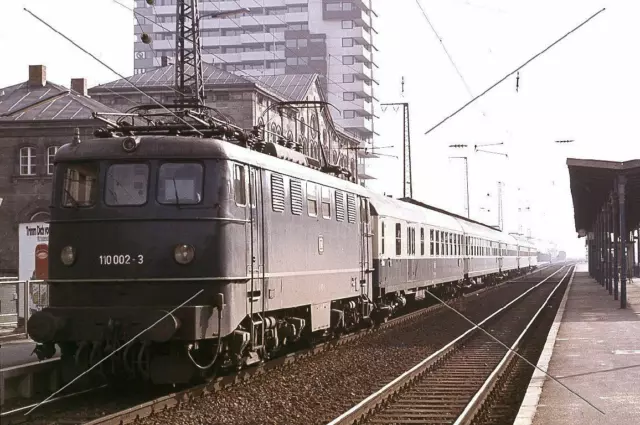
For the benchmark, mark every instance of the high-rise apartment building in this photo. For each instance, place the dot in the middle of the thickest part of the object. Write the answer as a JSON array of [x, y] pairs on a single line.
[[333, 38]]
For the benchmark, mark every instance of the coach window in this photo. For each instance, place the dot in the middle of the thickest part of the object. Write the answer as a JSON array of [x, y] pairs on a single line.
[[382, 228], [431, 242], [422, 241], [127, 184], [326, 202], [180, 183], [312, 200], [398, 239], [79, 188], [239, 185]]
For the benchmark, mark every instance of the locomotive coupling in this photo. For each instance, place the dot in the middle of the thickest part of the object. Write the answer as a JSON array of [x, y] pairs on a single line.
[[43, 326]]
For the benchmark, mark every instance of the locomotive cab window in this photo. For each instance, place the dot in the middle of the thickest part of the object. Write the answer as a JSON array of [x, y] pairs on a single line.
[[79, 185], [127, 184], [180, 183]]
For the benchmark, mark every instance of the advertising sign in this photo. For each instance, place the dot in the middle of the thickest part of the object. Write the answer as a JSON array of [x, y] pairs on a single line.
[[33, 259]]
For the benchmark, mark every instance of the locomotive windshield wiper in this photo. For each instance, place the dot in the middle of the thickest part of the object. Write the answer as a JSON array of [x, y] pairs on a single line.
[[75, 203], [175, 189]]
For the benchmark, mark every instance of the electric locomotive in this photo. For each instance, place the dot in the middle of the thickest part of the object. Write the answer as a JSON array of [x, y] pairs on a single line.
[[197, 253]]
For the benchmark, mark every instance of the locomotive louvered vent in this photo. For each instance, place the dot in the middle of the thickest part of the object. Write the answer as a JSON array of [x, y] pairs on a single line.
[[339, 205], [351, 208], [277, 192], [296, 197]]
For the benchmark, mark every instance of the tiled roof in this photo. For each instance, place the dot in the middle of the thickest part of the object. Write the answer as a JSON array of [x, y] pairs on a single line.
[[165, 76], [291, 87], [51, 102]]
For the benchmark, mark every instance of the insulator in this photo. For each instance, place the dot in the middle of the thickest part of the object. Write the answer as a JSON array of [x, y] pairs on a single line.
[[145, 38], [351, 304]]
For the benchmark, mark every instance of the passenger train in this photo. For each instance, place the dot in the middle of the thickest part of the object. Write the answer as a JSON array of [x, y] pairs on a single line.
[[186, 255]]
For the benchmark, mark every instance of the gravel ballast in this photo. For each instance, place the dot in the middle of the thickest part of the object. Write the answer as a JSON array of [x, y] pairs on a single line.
[[318, 389]]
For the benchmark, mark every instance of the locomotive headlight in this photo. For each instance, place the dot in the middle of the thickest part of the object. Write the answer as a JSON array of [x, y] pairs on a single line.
[[130, 144], [68, 255], [183, 254]]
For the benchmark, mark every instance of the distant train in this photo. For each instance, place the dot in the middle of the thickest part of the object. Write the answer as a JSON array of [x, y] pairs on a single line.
[[283, 253]]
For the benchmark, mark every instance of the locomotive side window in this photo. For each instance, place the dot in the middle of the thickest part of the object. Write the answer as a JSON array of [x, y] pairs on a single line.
[[277, 193], [438, 242], [127, 184], [312, 200], [239, 185], [382, 226], [340, 209], [398, 239], [296, 197], [180, 183], [422, 241], [79, 185], [326, 202]]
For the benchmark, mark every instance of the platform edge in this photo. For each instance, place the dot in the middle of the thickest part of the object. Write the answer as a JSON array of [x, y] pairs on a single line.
[[529, 405]]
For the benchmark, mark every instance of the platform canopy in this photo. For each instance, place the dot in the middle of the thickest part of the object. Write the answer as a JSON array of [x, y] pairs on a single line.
[[593, 182]]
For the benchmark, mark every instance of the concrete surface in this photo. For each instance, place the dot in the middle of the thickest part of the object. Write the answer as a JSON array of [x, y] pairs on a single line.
[[14, 353], [596, 354]]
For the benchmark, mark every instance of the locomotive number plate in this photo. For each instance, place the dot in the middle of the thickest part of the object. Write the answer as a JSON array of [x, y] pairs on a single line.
[[120, 259]]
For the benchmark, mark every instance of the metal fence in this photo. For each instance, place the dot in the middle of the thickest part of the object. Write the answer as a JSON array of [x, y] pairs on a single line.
[[18, 300]]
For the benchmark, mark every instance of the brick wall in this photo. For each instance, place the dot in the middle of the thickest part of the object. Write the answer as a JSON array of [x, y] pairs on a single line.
[[25, 196]]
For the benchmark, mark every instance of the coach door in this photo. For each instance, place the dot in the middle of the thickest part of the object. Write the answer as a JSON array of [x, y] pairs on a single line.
[[365, 247], [255, 260]]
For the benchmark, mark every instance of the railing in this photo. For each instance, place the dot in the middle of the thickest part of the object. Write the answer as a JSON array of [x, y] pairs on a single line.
[[16, 307]]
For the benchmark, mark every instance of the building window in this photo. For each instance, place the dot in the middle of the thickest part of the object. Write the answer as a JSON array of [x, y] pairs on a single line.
[[348, 96], [51, 153], [349, 114], [347, 25], [28, 161], [348, 60], [347, 42], [348, 78]]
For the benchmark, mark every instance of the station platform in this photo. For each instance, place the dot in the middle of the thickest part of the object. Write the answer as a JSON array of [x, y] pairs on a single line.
[[16, 353], [594, 349]]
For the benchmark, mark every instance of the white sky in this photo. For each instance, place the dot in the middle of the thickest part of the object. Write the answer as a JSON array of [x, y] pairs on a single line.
[[584, 89]]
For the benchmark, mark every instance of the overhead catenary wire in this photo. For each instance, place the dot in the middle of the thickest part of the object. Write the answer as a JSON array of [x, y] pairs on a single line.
[[453, 63], [109, 68], [512, 72]]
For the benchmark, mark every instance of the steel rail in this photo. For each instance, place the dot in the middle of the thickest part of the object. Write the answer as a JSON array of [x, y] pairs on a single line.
[[468, 414], [360, 410]]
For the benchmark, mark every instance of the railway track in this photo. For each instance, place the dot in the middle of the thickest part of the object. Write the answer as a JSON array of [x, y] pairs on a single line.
[[472, 380], [105, 408]]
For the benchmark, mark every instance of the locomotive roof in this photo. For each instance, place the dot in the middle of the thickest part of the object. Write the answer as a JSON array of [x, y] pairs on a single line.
[[193, 148]]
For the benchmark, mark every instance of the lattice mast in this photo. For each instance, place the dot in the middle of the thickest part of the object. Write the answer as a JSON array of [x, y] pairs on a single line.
[[407, 184], [188, 62]]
